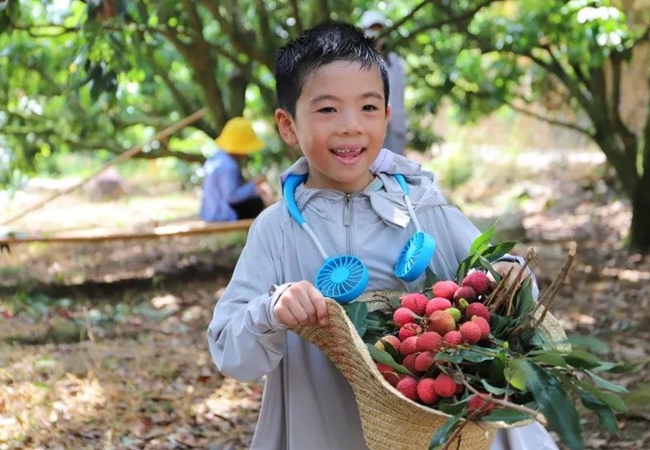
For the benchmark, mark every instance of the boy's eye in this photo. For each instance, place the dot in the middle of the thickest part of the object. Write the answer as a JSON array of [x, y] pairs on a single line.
[[370, 108], [327, 109]]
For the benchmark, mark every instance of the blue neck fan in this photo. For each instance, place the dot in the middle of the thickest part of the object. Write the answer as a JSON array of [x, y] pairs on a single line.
[[344, 278], [418, 251]]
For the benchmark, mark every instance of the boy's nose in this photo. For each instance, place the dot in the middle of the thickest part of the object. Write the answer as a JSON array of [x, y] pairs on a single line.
[[351, 123]]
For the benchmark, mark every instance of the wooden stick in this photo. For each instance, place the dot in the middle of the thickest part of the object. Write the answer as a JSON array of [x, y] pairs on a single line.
[[156, 233], [123, 157]]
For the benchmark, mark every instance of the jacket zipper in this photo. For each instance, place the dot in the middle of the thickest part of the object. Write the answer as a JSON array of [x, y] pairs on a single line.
[[347, 221]]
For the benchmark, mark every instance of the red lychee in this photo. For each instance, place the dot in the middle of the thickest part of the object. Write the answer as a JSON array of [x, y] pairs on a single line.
[[426, 391], [478, 281], [437, 304], [408, 345], [390, 374], [470, 332], [444, 289], [415, 302], [464, 292], [444, 386], [477, 309], [483, 324], [391, 340], [479, 405], [429, 341], [409, 363], [424, 361], [402, 316], [408, 387], [409, 330], [441, 322], [453, 338]]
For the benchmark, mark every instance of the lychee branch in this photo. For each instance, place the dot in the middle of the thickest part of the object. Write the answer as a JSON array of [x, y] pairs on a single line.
[[506, 404]]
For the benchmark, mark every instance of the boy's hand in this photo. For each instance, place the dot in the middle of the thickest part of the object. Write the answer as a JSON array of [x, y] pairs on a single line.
[[503, 267], [301, 304]]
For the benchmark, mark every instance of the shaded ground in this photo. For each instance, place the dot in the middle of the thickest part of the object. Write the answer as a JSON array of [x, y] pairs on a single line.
[[103, 346]]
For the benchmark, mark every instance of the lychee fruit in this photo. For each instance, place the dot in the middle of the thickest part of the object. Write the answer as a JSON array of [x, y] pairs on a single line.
[[393, 341], [470, 332], [402, 316], [409, 363], [408, 345], [389, 374], [479, 405], [409, 330], [437, 304], [478, 281], [483, 324], [444, 386], [429, 341], [453, 338], [426, 392], [441, 322], [444, 289], [454, 312], [478, 309], [408, 387], [424, 361], [466, 293], [416, 302]]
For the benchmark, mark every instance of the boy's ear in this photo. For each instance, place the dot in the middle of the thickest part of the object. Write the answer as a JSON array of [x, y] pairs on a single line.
[[286, 127], [388, 113]]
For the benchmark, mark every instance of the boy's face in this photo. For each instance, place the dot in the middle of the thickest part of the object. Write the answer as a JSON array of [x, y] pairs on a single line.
[[340, 124]]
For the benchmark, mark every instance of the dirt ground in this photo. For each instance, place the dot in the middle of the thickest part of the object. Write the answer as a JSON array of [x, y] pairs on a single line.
[[102, 346]]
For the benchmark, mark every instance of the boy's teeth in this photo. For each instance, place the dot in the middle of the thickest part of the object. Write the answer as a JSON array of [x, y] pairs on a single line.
[[346, 151]]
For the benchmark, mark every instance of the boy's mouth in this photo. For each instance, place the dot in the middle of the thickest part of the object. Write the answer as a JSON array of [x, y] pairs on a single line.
[[348, 153]]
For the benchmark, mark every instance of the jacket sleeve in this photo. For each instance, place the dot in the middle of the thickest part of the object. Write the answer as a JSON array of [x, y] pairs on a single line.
[[245, 339]]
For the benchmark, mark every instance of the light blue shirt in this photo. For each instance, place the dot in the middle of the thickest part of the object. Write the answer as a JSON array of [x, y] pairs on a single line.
[[223, 185]]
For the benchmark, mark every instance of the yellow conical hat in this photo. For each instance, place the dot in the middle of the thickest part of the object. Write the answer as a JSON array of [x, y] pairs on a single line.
[[239, 138]]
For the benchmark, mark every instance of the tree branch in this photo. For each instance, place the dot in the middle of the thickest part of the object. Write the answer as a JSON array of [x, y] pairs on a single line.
[[569, 125], [462, 18]]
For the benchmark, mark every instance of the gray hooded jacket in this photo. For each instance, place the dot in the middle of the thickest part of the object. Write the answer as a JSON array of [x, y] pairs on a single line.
[[307, 404]]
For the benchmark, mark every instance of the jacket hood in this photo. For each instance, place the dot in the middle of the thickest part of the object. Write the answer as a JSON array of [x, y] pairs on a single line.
[[385, 194]]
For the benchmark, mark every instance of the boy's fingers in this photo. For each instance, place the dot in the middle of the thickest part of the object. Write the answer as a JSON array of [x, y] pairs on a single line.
[[319, 304]]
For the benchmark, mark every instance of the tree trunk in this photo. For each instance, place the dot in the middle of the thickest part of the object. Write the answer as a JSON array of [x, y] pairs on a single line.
[[640, 229]]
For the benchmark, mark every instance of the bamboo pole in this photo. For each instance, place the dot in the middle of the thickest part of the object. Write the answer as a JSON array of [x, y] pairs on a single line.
[[165, 231], [123, 157]]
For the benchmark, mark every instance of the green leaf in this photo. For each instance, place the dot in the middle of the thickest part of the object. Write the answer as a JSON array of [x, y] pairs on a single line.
[[483, 241], [606, 416], [505, 415], [607, 384], [385, 358], [550, 358], [555, 404], [431, 279], [589, 343], [497, 251], [492, 389], [611, 400], [582, 359], [515, 374], [443, 433], [488, 266], [357, 312]]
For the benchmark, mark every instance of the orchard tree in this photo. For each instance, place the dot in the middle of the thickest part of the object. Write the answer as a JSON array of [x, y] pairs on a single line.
[[589, 55]]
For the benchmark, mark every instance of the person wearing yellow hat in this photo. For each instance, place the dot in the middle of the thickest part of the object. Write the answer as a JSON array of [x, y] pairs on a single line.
[[227, 195]]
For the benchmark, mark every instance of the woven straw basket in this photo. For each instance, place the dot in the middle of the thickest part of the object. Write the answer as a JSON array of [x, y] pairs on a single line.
[[391, 421]]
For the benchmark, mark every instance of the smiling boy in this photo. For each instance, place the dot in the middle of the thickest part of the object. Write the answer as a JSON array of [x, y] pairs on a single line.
[[332, 90]]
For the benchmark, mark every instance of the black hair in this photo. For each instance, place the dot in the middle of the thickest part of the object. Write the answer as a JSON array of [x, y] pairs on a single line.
[[317, 47]]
